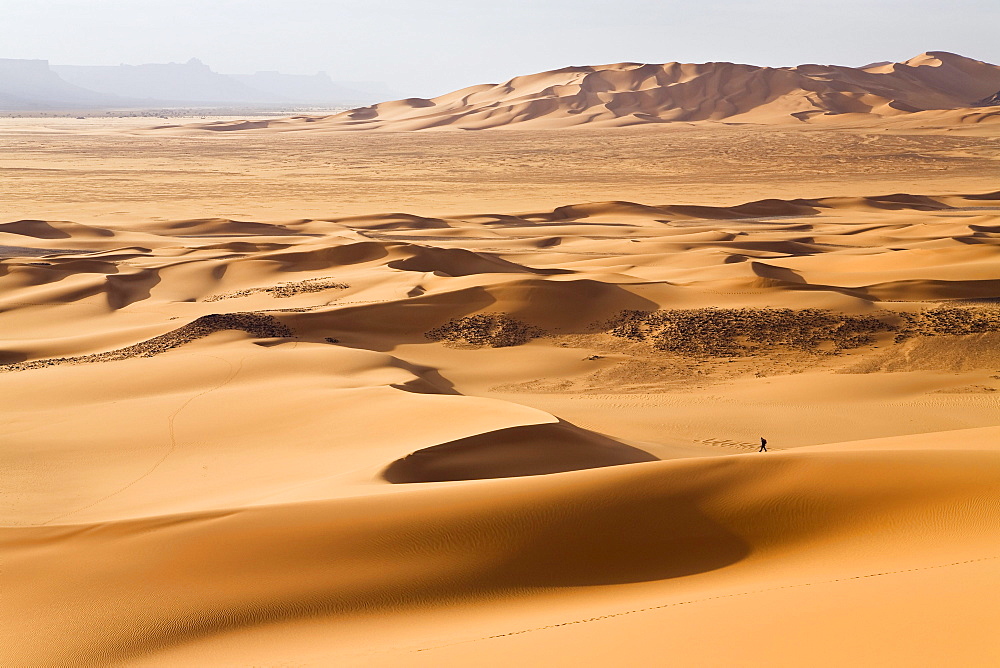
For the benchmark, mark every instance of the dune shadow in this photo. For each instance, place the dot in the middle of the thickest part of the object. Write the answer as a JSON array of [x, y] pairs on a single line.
[[985, 196], [427, 380], [461, 262], [777, 273], [527, 450], [125, 289], [787, 279], [635, 539], [12, 357], [905, 201], [39, 229]]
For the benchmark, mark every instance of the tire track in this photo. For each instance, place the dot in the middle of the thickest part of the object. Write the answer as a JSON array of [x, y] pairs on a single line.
[[675, 604], [725, 443], [171, 435]]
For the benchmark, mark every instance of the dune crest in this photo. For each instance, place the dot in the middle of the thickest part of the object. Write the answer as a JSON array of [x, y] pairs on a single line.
[[625, 94]]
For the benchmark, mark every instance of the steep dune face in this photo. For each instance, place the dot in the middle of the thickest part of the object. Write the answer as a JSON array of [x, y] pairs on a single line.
[[633, 93], [513, 452]]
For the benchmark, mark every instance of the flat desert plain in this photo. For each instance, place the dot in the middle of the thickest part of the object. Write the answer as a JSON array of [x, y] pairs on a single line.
[[495, 398]]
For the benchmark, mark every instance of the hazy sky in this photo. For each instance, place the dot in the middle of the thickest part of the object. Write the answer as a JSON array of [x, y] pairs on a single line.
[[427, 47]]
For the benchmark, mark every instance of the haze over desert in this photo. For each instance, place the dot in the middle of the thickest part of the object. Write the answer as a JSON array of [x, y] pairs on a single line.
[[482, 379]]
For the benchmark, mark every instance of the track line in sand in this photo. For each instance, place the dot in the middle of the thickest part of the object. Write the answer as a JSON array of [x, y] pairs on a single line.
[[171, 434], [725, 443], [692, 601]]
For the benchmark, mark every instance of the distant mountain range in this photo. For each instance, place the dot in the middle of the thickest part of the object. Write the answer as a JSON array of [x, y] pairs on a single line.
[[934, 87], [33, 85]]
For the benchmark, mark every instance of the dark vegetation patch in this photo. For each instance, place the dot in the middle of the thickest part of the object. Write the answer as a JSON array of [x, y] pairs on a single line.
[[255, 324], [283, 290], [738, 332], [949, 321], [719, 332], [496, 330]]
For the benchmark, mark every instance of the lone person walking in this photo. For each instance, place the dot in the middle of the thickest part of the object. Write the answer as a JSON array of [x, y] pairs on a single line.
[[763, 444]]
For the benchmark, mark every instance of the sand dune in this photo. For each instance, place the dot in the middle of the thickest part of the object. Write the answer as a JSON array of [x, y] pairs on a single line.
[[286, 178], [936, 88], [405, 439], [543, 543], [512, 452]]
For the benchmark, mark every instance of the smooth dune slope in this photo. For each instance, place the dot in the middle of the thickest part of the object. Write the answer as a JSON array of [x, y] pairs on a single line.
[[521, 437], [937, 88]]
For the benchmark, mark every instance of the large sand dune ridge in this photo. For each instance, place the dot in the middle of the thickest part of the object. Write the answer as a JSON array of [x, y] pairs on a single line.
[[937, 88]]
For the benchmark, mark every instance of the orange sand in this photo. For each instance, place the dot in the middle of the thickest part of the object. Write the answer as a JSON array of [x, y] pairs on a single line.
[[297, 437]]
